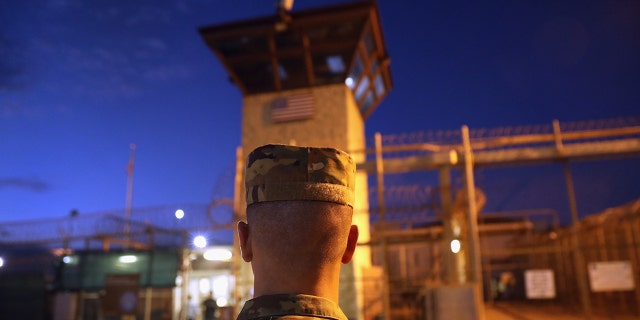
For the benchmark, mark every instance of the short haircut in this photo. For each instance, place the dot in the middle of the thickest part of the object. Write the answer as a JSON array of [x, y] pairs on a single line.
[[304, 233]]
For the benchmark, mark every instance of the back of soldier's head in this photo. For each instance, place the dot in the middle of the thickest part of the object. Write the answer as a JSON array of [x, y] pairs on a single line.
[[314, 230], [299, 202]]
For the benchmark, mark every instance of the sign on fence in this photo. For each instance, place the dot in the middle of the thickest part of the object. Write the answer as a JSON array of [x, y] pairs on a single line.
[[540, 284], [611, 276]]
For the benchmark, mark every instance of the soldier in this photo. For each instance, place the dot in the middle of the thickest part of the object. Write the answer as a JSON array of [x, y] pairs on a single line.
[[209, 307], [298, 230]]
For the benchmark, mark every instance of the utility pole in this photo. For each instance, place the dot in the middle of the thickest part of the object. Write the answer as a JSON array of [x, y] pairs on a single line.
[[575, 229], [127, 208], [472, 219]]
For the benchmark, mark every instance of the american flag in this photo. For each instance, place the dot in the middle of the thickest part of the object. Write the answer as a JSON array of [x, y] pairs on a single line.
[[293, 107]]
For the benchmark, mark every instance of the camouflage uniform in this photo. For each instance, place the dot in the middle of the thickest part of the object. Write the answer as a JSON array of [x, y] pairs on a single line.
[[290, 307], [280, 173]]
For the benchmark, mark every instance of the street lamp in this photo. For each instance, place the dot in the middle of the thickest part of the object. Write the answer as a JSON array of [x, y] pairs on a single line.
[[455, 245], [128, 258], [217, 254], [200, 242]]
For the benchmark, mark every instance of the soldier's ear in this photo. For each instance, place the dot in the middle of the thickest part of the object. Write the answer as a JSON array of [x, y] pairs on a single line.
[[245, 241], [352, 242]]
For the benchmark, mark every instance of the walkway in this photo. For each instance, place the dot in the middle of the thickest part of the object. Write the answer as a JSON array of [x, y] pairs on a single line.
[[523, 311]]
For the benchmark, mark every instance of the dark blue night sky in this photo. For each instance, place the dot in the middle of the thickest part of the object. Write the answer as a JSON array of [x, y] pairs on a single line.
[[80, 81]]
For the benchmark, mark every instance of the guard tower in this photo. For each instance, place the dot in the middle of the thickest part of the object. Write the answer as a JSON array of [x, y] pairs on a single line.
[[311, 78]]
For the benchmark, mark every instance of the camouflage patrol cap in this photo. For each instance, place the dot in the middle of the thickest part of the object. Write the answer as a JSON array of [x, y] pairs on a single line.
[[281, 173]]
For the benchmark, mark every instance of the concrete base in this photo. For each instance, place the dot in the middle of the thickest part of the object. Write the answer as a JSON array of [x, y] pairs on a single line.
[[452, 302]]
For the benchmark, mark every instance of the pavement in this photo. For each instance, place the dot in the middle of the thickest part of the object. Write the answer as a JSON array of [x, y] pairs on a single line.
[[524, 311]]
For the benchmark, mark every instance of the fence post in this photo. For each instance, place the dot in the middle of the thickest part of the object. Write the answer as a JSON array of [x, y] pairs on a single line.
[[577, 252], [473, 235], [383, 239]]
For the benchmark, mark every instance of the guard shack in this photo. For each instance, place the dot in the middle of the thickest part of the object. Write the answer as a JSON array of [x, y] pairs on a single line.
[[310, 77]]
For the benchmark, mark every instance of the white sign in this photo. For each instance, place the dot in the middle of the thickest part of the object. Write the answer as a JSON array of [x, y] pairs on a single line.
[[611, 276], [540, 284]]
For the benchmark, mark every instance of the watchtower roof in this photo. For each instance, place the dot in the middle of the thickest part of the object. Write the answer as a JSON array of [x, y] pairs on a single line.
[[315, 47]]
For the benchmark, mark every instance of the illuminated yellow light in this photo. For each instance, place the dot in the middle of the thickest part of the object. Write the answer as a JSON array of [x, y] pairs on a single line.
[[455, 246], [456, 230], [128, 259], [217, 255], [453, 157]]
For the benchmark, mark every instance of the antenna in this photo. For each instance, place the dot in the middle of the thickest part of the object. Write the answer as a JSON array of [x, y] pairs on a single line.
[[285, 5], [127, 209]]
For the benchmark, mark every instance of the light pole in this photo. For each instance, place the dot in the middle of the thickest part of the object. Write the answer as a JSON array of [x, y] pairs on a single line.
[[127, 208]]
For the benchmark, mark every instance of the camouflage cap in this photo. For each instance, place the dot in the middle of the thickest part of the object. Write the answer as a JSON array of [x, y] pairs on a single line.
[[281, 173]]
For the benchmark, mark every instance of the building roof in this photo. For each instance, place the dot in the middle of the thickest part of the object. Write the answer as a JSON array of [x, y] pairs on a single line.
[[291, 50]]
